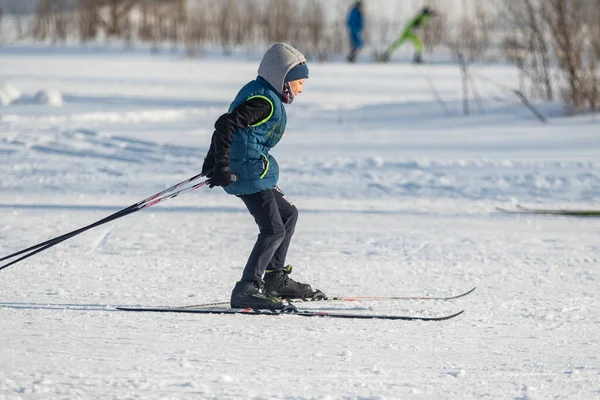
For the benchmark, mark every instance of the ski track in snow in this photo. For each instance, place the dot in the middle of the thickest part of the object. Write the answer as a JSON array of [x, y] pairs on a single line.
[[98, 154], [396, 196]]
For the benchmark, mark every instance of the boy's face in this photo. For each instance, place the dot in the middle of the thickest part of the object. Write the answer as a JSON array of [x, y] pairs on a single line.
[[297, 86]]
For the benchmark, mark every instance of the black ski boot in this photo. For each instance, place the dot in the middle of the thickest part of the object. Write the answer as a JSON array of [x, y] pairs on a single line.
[[248, 294], [278, 283]]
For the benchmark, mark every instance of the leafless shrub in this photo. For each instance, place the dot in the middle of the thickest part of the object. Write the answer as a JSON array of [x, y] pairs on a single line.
[[436, 29], [52, 21], [527, 46], [197, 29], [472, 36], [380, 37], [554, 43], [225, 23], [279, 22], [18, 18], [483, 28], [145, 27], [41, 23], [159, 22], [314, 29], [157, 26], [229, 19], [595, 30], [593, 55], [177, 22], [61, 22], [568, 23], [592, 77], [381, 30], [118, 15], [88, 17], [334, 41], [247, 29], [462, 42]]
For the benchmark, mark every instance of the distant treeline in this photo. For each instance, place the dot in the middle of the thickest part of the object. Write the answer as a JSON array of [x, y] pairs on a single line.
[[554, 43]]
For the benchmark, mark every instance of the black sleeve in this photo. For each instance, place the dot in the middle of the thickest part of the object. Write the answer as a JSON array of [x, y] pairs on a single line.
[[246, 114]]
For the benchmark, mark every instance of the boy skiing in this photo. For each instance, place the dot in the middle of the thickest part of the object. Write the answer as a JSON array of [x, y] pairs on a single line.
[[239, 161]]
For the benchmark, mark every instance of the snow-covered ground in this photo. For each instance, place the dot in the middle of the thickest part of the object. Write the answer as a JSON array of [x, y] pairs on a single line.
[[397, 193]]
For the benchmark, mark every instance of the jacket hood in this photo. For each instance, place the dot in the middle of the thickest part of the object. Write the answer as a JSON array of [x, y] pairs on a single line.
[[277, 62]]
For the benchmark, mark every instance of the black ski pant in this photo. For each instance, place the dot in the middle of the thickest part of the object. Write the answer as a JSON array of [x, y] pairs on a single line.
[[276, 218]]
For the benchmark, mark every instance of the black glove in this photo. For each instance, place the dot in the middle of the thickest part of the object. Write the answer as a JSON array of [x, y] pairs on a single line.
[[219, 176], [207, 167]]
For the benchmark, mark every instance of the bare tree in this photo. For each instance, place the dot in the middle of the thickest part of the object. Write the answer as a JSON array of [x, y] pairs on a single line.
[[436, 29], [197, 28], [60, 17], [41, 24], [595, 28], [88, 13], [463, 40], [249, 30], [155, 20], [526, 45], [117, 14], [279, 22], [383, 30], [178, 20], [229, 17], [472, 37], [556, 43], [568, 25], [314, 26], [594, 56], [335, 40], [483, 27], [18, 18]]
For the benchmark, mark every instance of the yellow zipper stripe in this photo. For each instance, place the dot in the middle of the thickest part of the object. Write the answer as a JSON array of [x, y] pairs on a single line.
[[267, 167]]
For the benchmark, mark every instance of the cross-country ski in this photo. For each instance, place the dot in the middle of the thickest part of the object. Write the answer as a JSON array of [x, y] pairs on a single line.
[[549, 211], [294, 312], [320, 297]]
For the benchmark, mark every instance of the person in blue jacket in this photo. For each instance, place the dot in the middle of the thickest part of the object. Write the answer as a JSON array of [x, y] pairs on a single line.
[[239, 161], [355, 24]]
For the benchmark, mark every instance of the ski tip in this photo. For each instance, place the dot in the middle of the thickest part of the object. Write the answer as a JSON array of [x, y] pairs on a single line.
[[454, 315], [444, 318], [458, 296]]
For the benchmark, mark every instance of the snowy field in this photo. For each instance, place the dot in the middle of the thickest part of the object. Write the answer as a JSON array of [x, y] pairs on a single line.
[[396, 191]]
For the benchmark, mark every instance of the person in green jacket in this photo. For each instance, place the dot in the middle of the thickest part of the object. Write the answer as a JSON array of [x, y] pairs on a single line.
[[410, 34]]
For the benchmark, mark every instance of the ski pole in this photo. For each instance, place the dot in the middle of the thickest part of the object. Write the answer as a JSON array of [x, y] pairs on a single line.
[[124, 211], [168, 193]]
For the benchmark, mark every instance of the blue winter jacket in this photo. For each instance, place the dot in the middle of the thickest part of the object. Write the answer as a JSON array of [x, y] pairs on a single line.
[[355, 26], [249, 158]]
